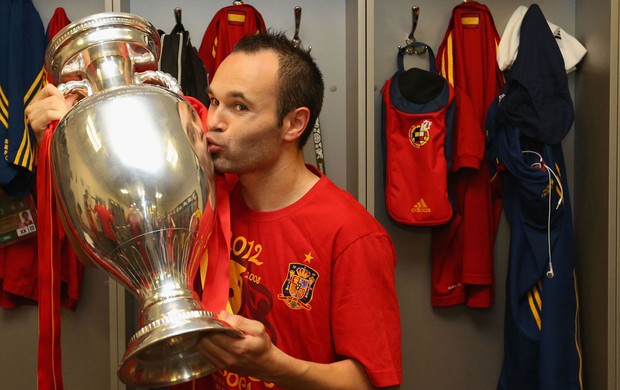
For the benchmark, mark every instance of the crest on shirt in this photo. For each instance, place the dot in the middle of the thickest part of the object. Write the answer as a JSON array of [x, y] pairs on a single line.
[[420, 134], [298, 287]]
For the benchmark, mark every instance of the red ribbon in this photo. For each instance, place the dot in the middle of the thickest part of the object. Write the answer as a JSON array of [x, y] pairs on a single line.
[[49, 374]]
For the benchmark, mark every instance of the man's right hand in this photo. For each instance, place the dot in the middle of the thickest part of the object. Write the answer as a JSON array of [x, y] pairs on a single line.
[[46, 106]]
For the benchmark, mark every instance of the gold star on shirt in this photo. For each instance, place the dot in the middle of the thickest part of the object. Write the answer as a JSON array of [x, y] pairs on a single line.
[[308, 257]]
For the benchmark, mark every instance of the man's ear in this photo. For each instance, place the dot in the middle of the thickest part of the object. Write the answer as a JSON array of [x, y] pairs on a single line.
[[296, 122]]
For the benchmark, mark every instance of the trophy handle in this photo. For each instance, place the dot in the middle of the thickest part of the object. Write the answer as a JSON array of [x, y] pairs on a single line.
[[81, 86], [159, 78]]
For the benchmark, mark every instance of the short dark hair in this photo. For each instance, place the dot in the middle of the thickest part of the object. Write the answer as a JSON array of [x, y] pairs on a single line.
[[301, 80]]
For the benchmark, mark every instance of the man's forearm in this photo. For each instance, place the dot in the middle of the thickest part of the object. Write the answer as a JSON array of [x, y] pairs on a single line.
[[295, 374]]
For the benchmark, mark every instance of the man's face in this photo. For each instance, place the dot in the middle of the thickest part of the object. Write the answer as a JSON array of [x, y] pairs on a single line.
[[242, 125]]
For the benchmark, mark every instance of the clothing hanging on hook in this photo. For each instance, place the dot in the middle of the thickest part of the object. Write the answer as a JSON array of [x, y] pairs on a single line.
[[572, 50], [467, 52], [228, 25], [179, 58], [418, 116]]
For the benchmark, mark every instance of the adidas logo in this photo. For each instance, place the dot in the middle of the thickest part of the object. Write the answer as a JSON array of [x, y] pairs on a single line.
[[421, 207]]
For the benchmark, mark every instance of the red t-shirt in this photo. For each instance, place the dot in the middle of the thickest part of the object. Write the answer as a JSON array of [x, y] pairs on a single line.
[[319, 274]]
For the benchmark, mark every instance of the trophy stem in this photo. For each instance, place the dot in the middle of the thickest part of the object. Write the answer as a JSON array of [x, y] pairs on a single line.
[[117, 75], [164, 351], [108, 65], [167, 304]]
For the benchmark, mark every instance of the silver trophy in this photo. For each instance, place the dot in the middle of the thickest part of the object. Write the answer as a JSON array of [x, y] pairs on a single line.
[[135, 189]]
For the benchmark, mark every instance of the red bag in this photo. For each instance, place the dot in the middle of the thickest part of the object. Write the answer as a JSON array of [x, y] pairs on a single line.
[[416, 108]]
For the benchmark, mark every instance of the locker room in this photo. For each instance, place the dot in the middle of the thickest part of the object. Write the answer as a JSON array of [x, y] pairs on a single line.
[[356, 44]]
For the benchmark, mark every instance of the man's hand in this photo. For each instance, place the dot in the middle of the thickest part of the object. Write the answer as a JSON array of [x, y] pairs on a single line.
[[46, 106], [256, 356], [250, 355]]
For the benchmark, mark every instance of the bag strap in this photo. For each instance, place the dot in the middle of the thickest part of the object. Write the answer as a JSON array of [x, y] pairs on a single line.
[[431, 56]]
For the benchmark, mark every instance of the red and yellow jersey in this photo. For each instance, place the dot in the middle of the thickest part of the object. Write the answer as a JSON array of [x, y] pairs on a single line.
[[463, 250], [225, 29]]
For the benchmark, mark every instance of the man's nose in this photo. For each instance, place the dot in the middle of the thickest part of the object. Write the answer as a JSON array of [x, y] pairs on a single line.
[[215, 119]]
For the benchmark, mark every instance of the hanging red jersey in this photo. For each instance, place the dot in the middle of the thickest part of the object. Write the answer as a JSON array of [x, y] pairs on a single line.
[[464, 247], [226, 28]]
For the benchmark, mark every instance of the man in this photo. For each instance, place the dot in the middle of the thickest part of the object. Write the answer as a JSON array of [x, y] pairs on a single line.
[[25, 218], [312, 273]]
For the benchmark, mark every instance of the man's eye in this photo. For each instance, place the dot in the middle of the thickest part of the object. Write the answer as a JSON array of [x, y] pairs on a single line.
[[214, 101], [240, 107]]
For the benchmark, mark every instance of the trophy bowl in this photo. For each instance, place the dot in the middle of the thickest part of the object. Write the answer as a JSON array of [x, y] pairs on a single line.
[[135, 188]]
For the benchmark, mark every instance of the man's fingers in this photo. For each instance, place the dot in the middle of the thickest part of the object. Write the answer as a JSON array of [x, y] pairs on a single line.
[[70, 100], [241, 323], [213, 351], [45, 92], [46, 106]]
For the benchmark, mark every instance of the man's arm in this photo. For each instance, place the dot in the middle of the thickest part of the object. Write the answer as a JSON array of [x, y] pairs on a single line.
[[256, 356]]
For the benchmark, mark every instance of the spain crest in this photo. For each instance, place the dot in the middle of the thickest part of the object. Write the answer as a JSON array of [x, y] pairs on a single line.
[[298, 287], [420, 134]]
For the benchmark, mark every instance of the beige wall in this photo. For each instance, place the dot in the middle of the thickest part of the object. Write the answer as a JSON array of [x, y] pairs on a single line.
[[596, 191], [85, 347]]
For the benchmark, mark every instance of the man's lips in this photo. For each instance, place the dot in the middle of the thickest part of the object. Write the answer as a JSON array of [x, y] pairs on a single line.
[[212, 146]]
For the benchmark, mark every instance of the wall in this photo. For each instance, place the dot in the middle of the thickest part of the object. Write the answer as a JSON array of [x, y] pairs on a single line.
[[596, 198]]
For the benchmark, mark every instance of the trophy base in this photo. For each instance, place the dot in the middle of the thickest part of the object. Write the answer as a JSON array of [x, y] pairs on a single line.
[[165, 351]]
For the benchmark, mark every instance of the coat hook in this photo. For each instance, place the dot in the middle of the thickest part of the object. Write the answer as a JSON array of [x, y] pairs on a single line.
[[415, 15], [177, 14], [296, 40]]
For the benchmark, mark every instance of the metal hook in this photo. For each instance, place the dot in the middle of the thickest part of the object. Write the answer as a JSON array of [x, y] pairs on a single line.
[[177, 14], [296, 40], [415, 15]]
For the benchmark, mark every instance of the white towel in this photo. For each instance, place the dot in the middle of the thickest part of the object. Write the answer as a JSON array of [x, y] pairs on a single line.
[[572, 50]]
